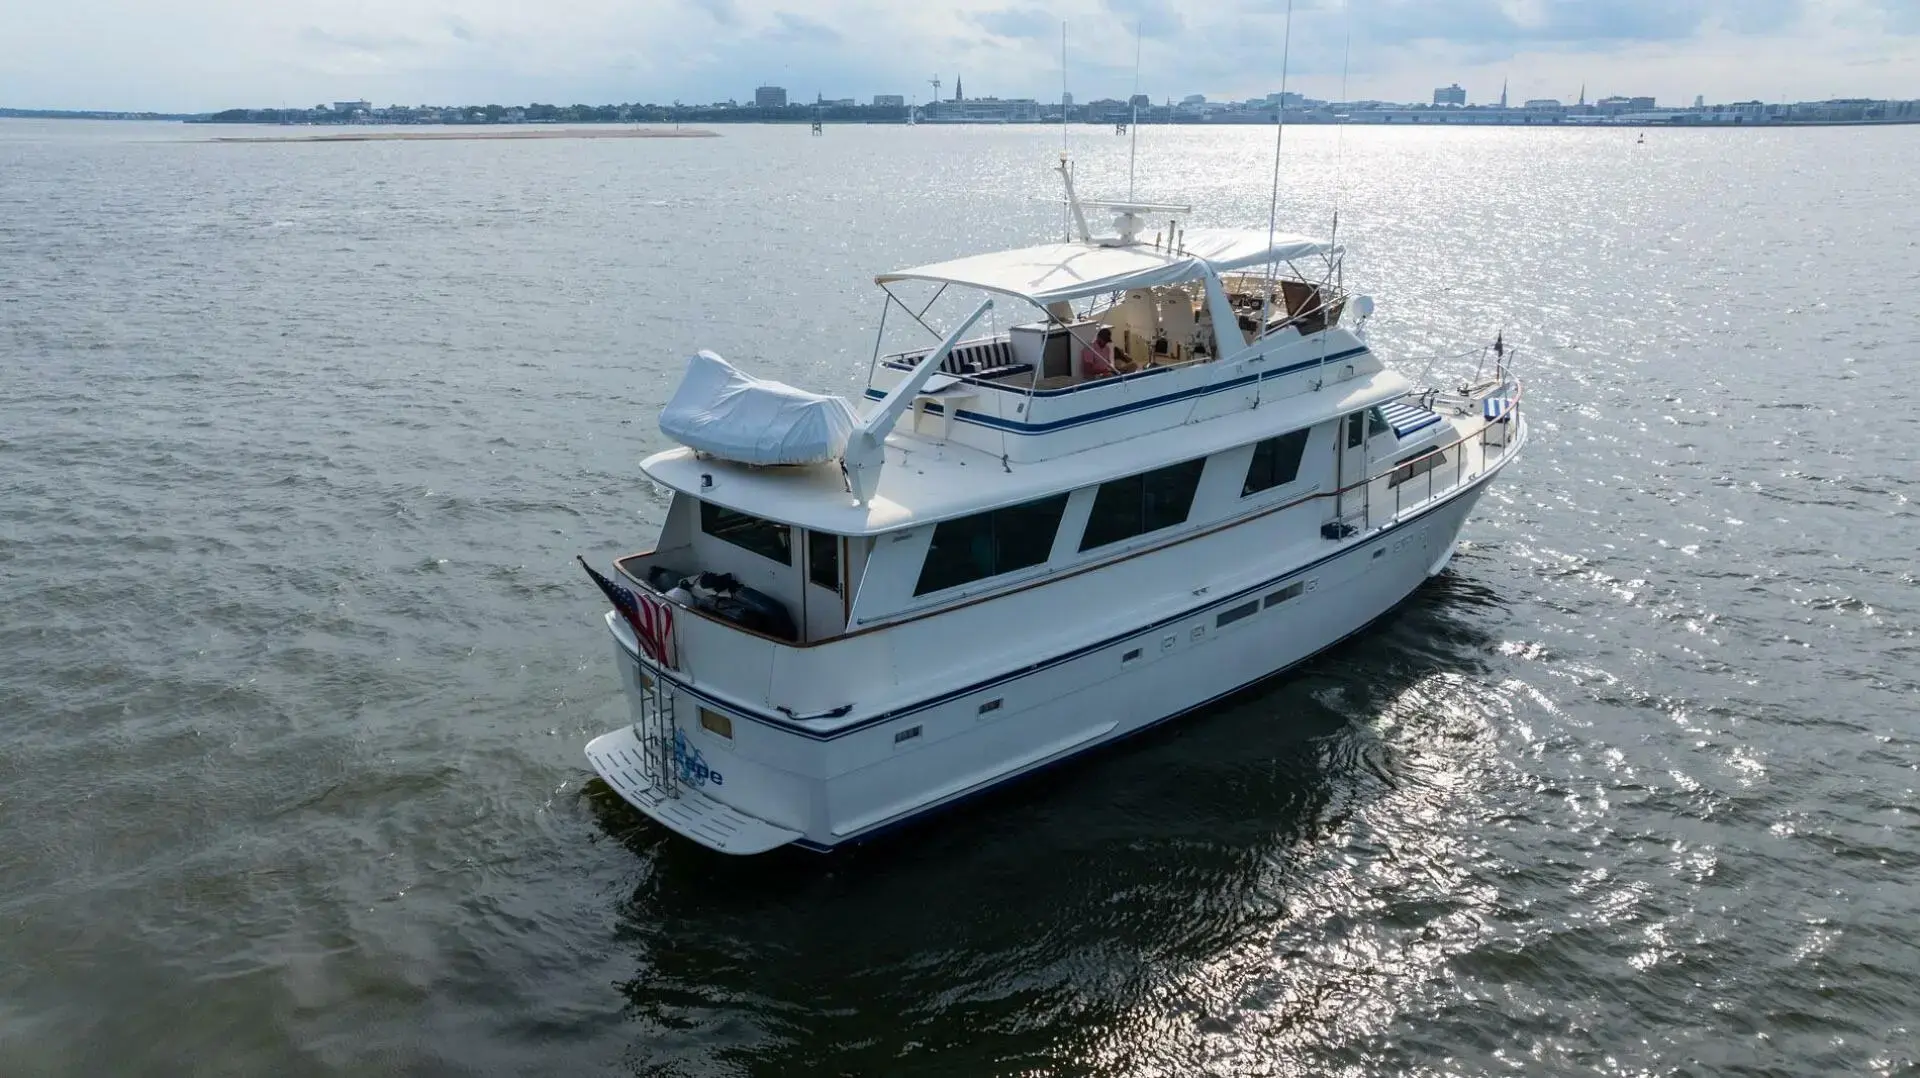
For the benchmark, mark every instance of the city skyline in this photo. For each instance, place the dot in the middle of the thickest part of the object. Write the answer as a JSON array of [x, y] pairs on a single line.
[[206, 55]]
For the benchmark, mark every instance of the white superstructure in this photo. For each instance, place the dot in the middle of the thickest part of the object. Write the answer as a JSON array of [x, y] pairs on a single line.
[[1013, 561]]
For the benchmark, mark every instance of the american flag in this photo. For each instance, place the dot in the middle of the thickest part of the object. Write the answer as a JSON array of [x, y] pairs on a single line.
[[652, 620]]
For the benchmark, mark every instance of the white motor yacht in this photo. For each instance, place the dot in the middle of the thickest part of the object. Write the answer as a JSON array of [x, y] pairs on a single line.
[[1024, 545]]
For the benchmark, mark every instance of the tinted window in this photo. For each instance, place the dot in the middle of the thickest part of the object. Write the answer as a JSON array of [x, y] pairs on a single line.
[[988, 544], [763, 537], [1416, 465], [1023, 534], [1356, 430], [1276, 461], [1291, 591], [1228, 617], [1139, 504], [823, 560]]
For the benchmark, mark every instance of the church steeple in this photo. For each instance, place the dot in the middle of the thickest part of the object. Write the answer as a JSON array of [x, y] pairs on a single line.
[[956, 89], [1503, 93]]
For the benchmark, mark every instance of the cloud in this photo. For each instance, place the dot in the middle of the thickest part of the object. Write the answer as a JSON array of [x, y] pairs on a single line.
[[1151, 18], [356, 42], [724, 12], [1019, 22], [209, 54], [802, 30], [1571, 22]]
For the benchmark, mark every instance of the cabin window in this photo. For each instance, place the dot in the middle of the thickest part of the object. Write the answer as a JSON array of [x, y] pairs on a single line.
[[1356, 430], [1139, 504], [1291, 591], [1416, 465], [716, 723], [1276, 462], [988, 544], [1228, 617], [823, 560], [762, 537]]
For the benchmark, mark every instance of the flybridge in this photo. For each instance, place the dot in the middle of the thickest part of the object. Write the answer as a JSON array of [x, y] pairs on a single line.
[[1125, 338]]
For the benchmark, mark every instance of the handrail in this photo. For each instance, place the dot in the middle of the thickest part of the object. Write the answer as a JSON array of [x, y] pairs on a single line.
[[1460, 478], [1481, 433], [865, 452]]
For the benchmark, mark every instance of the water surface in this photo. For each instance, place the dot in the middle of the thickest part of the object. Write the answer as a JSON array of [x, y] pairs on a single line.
[[297, 443]]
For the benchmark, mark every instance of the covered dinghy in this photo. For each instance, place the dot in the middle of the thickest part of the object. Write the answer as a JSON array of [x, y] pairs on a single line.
[[736, 417]]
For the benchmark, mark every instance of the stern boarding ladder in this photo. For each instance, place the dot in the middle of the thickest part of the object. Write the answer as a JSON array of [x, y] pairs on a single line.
[[649, 764], [642, 761], [658, 734]]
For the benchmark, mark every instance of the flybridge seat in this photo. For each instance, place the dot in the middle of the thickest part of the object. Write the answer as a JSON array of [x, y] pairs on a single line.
[[977, 359], [723, 413], [1405, 418]]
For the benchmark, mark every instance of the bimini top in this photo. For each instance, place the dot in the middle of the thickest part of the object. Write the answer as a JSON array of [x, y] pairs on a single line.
[[1065, 271]]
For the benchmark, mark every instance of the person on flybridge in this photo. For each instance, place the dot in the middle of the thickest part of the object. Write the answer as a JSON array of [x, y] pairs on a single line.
[[1101, 359]]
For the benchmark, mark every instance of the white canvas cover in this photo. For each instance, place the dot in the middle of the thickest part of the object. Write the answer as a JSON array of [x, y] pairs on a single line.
[[1065, 271], [737, 417]]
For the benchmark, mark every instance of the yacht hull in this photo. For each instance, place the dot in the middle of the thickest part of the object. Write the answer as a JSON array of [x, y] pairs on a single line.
[[936, 755]]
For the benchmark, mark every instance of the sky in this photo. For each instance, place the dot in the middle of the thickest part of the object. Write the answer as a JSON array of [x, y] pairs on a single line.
[[204, 55]]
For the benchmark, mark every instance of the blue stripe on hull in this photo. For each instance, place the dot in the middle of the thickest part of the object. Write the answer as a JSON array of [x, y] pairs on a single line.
[[1074, 755], [1015, 426], [790, 726]]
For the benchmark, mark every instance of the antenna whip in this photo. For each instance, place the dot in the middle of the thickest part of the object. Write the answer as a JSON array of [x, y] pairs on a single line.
[[1133, 128], [1273, 204]]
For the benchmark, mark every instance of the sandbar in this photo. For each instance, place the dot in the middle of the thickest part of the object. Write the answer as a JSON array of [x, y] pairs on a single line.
[[482, 133]]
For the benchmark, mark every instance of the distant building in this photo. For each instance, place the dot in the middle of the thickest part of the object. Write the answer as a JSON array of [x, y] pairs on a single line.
[[353, 106], [1194, 99], [1140, 101], [1287, 100], [1699, 101], [989, 110], [889, 101], [1066, 100], [1450, 95], [1618, 104], [770, 97], [1544, 103]]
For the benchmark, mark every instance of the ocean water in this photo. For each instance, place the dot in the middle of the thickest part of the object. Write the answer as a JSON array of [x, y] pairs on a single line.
[[297, 443]]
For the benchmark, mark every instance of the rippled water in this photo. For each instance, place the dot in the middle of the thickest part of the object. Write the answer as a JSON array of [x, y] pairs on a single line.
[[297, 443]]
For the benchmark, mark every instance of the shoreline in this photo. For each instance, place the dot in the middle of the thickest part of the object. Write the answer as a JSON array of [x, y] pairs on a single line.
[[460, 136]]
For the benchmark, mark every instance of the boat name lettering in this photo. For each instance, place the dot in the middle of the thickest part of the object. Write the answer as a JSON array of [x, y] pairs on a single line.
[[690, 765]]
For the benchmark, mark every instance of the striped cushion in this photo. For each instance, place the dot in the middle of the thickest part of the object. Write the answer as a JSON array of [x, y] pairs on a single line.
[[1406, 417], [977, 356], [1496, 407]]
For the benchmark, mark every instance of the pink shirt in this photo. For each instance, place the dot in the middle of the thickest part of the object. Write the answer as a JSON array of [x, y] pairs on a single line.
[[1097, 361]]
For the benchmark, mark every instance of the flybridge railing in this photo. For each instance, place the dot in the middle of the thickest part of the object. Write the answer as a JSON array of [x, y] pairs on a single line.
[[1493, 440]]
